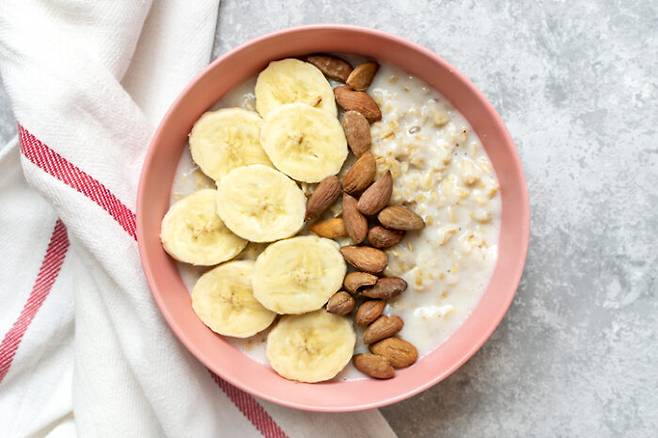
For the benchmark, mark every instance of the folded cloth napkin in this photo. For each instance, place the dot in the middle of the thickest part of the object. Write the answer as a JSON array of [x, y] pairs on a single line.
[[84, 349]]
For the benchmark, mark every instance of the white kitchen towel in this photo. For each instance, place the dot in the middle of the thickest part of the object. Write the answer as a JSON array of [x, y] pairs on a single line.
[[83, 346]]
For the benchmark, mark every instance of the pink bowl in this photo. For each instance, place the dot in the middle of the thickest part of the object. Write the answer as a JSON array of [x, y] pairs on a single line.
[[172, 297]]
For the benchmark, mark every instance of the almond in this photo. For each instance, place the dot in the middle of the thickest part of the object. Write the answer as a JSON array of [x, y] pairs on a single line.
[[384, 327], [356, 224], [332, 228], [374, 365], [356, 280], [351, 100], [332, 66], [341, 303], [399, 352], [386, 288], [369, 311], [383, 238], [377, 196], [361, 174], [365, 258], [357, 132], [324, 195], [400, 218], [361, 77]]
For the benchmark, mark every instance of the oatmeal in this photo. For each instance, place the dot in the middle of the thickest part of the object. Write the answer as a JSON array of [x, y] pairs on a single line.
[[441, 172]]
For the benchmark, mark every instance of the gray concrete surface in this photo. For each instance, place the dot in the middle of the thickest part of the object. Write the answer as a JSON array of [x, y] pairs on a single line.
[[577, 83]]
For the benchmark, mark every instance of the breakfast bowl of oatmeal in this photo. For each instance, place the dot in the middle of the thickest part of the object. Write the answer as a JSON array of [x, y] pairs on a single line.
[[332, 218]]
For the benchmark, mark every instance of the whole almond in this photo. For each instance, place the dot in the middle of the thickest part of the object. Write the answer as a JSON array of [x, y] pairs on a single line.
[[324, 195], [332, 228], [374, 365], [361, 77], [361, 174], [332, 66], [369, 311], [383, 238], [400, 218], [399, 352], [351, 100], [341, 303], [356, 224], [356, 280], [384, 327], [357, 132], [386, 288], [377, 195], [365, 258]]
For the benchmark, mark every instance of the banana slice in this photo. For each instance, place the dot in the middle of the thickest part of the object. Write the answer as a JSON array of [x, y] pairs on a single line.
[[312, 347], [291, 80], [305, 143], [225, 139], [260, 204], [191, 231], [298, 275], [223, 300]]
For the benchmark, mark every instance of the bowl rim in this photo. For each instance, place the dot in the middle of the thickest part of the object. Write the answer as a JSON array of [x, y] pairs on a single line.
[[513, 278]]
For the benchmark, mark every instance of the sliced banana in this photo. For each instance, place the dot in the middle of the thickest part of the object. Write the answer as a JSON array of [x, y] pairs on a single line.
[[191, 231], [298, 275], [305, 143], [311, 348], [260, 204], [291, 80], [223, 300], [225, 139]]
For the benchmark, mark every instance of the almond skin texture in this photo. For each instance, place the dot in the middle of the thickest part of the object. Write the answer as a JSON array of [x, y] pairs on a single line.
[[324, 195], [333, 228], [361, 174], [362, 76], [399, 352], [386, 288], [356, 224], [341, 303], [332, 67], [377, 196], [351, 100], [357, 132], [383, 238], [384, 327], [356, 280], [365, 258], [374, 365], [368, 312], [400, 218]]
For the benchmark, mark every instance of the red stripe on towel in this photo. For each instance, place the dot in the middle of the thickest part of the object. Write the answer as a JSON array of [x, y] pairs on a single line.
[[50, 267], [54, 164], [251, 409]]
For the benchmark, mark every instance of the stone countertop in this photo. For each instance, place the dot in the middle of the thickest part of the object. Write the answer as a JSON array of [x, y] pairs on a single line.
[[577, 84]]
